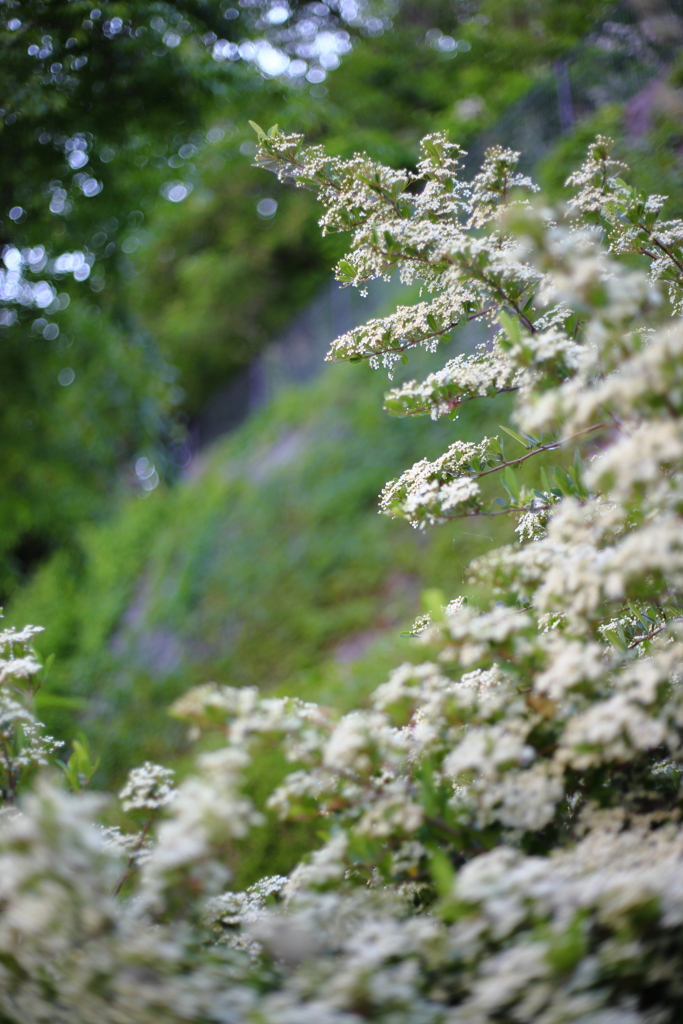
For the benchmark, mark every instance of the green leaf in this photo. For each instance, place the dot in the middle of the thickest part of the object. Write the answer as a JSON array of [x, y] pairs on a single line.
[[567, 947], [510, 326], [517, 437], [258, 129], [47, 665], [442, 872], [57, 700], [614, 639], [431, 151], [563, 481], [511, 483]]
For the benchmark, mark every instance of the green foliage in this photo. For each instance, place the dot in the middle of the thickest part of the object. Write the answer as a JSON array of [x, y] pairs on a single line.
[[73, 408], [215, 280], [258, 570], [188, 292], [88, 102], [81, 766]]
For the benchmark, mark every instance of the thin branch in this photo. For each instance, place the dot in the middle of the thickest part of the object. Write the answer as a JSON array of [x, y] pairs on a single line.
[[453, 403], [664, 249], [492, 515], [130, 866], [654, 632], [542, 448], [427, 337], [660, 245], [477, 273], [11, 791]]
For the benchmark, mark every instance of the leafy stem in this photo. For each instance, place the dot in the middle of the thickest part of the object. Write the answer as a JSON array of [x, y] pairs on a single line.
[[132, 860], [541, 448]]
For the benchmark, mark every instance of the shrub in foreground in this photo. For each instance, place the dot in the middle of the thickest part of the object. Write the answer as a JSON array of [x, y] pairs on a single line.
[[501, 835]]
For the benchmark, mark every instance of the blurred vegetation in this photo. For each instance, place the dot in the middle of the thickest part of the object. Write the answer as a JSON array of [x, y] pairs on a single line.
[[184, 292], [219, 280], [269, 565], [100, 107], [255, 571]]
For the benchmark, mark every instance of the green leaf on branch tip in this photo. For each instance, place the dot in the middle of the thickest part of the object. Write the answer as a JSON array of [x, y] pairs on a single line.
[[258, 129], [431, 151], [510, 326], [510, 483], [47, 665], [374, 185], [80, 768], [517, 437], [563, 483], [613, 637]]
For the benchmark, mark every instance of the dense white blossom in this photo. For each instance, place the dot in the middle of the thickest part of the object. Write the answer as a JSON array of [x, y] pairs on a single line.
[[500, 829], [148, 788]]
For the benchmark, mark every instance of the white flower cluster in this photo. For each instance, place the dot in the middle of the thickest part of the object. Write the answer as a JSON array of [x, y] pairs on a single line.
[[23, 743], [501, 826], [632, 217], [488, 372], [429, 491], [430, 234], [148, 788]]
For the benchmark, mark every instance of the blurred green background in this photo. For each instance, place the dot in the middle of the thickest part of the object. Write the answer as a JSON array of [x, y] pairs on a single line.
[[146, 264]]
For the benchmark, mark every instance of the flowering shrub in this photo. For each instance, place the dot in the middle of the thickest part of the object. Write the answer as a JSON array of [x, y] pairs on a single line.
[[502, 833]]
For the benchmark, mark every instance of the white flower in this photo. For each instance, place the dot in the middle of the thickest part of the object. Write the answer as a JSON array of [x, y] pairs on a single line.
[[148, 788]]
